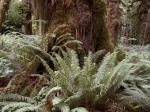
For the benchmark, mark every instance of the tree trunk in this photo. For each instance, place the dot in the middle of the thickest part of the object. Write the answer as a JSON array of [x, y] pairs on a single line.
[[4, 6], [113, 19], [85, 19], [40, 10], [28, 24], [147, 30], [102, 39]]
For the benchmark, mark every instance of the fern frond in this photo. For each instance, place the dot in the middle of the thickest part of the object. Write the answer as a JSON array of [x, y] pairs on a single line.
[[88, 73], [106, 66], [55, 89], [74, 62], [66, 36], [37, 49], [16, 97], [63, 66], [72, 42], [59, 28], [14, 105], [79, 109], [41, 76], [114, 79], [50, 71], [30, 108], [97, 55]]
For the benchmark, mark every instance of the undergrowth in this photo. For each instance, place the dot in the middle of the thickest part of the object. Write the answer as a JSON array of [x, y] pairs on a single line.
[[118, 83], [89, 85]]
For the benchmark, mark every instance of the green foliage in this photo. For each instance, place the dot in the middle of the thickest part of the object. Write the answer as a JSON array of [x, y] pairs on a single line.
[[18, 103], [79, 109], [85, 84], [137, 88], [13, 53], [16, 17], [59, 40], [96, 85], [56, 42], [122, 75], [6, 68], [76, 85], [19, 51], [133, 20]]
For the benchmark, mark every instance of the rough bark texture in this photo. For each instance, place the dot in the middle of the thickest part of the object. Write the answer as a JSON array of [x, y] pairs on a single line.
[[28, 24], [147, 30], [86, 22], [4, 6], [113, 19], [101, 36], [40, 10]]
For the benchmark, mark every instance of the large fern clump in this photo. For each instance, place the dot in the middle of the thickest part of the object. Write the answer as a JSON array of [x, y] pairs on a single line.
[[121, 76], [21, 49], [88, 84], [121, 79], [55, 42]]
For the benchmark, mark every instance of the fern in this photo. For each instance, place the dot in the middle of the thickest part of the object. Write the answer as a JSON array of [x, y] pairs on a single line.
[[16, 97], [79, 109], [13, 50], [50, 71], [58, 40], [18, 103], [137, 85], [82, 82], [15, 105], [90, 83], [31, 108]]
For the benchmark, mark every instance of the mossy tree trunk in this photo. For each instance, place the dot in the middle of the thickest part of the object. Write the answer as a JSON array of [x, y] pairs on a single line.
[[28, 25], [85, 19], [147, 30], [113, 19], [4, 6], [102, 39]]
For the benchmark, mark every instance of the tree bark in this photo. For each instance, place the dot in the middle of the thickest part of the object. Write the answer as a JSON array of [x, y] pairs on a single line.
[[40, 10], [86, 21], [28, 24], [102, 39], [147, 29], [113, 19], [4, 6]]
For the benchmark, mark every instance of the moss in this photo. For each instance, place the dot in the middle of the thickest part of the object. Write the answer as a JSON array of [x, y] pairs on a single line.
[[71, 17], [100, 33], [61, 16]]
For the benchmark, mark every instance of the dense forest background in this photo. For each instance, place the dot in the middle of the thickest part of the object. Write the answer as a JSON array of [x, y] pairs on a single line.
[[74, 56]]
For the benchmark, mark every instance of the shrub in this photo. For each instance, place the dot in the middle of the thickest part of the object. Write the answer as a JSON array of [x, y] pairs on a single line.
[[16, 17]]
